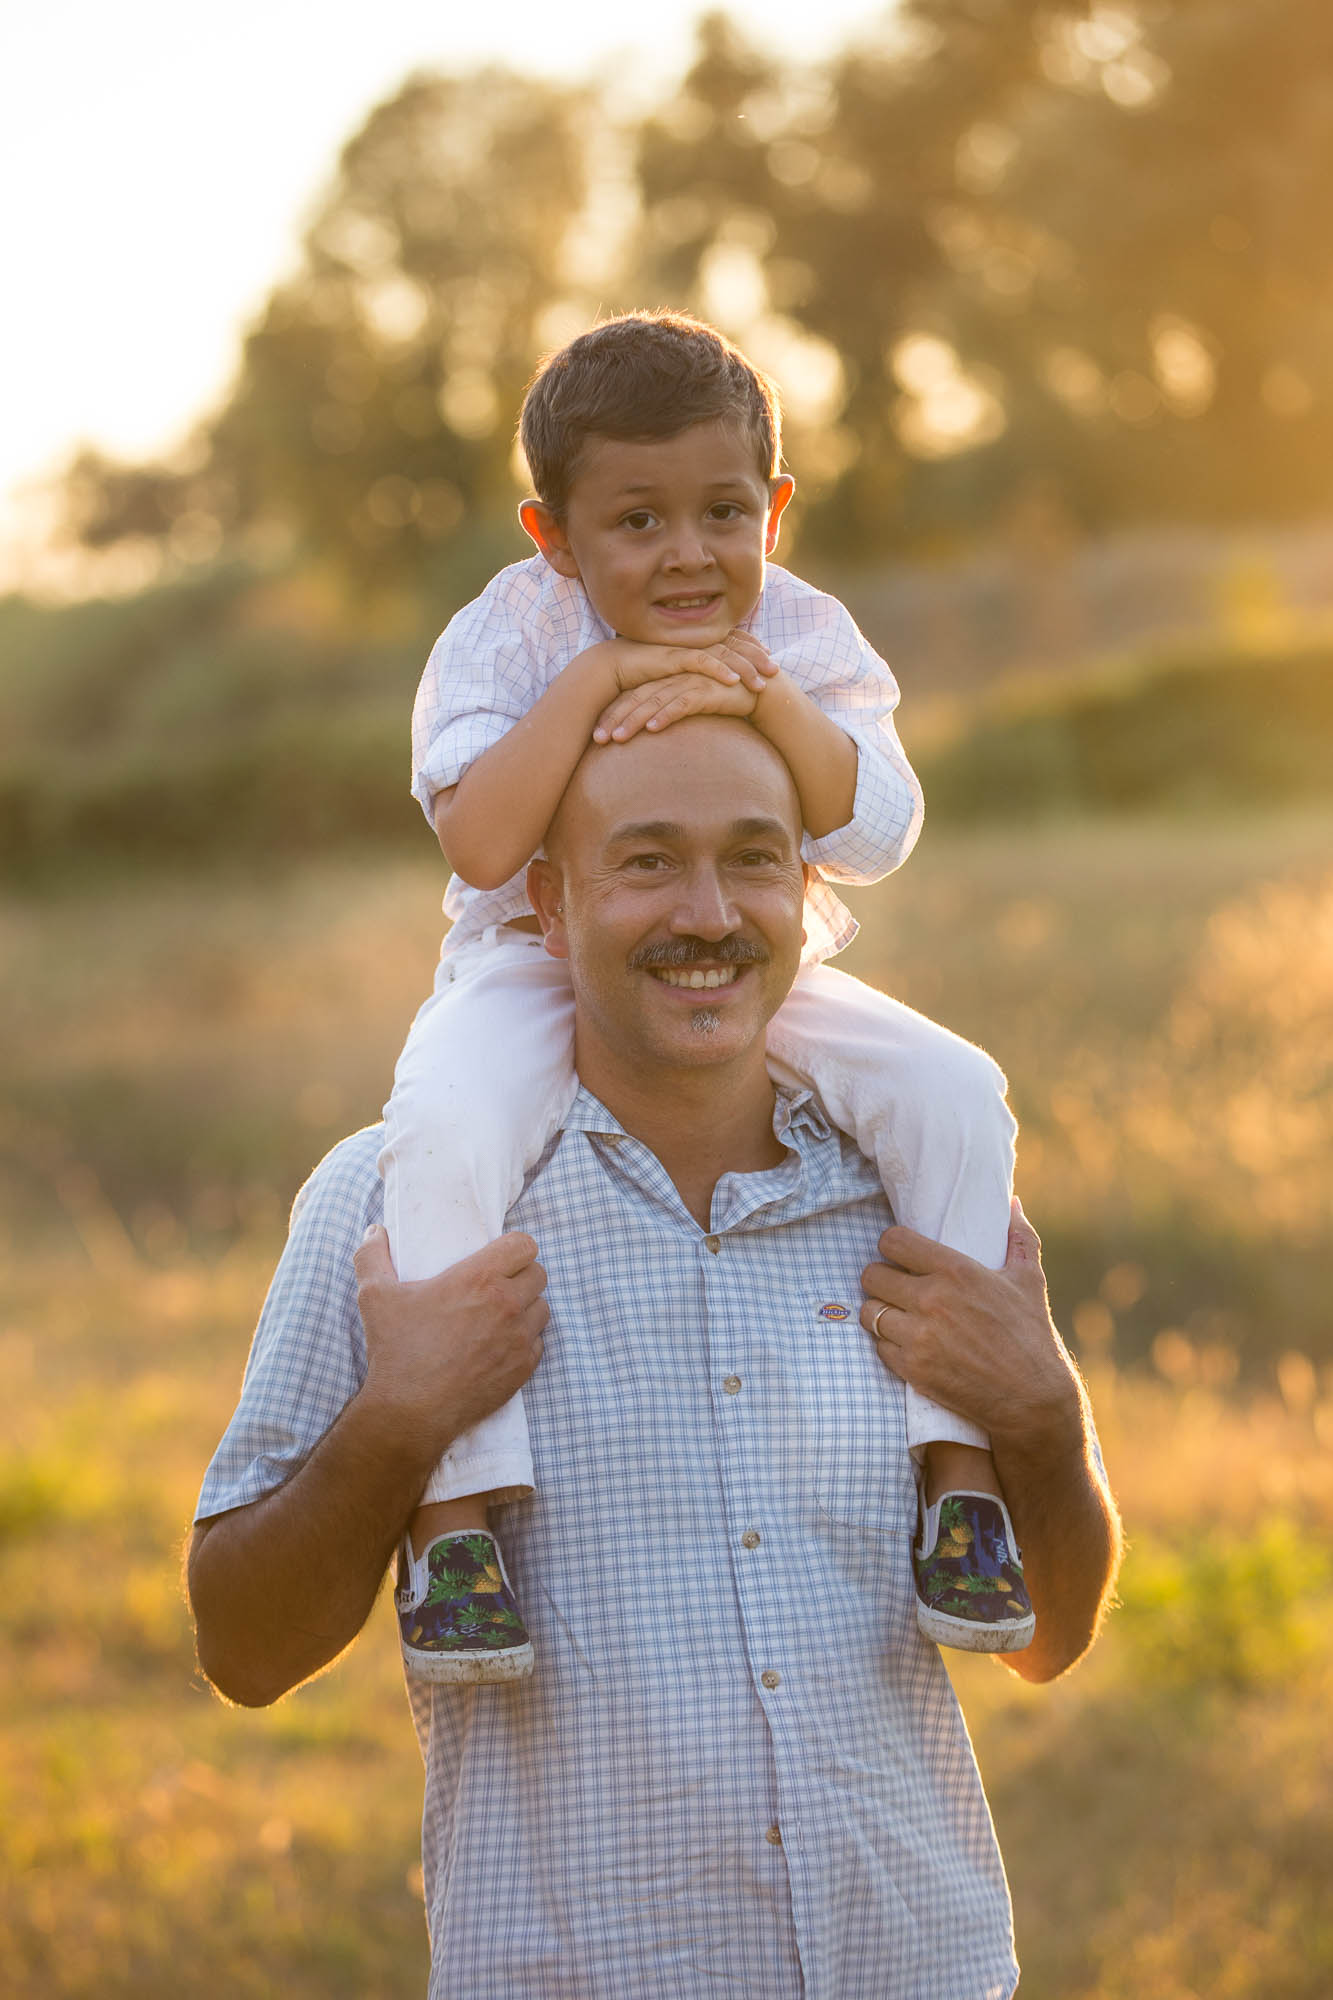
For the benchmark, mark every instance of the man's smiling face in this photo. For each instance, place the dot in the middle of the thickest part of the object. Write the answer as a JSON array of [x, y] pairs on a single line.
[[667, 535], [675, 888]]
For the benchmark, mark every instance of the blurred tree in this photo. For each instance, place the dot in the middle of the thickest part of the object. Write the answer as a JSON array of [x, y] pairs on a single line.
[[372, 416], [1014, 263], [1068, 259], [1181, 163]]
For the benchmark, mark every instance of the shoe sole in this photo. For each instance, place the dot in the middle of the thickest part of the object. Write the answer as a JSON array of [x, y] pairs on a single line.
[[511, 1665], [965, 1637]]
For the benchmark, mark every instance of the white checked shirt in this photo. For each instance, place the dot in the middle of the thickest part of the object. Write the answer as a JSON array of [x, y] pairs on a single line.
[[738, 1772], [502, 651]]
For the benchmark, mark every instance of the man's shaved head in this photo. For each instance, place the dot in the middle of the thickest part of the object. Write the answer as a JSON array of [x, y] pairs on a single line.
[[604, 765]]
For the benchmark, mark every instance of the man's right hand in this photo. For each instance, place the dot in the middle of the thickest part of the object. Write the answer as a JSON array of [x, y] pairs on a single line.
[[444, 1352]]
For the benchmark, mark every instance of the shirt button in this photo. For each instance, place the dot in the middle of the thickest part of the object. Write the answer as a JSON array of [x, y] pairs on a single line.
[[774, 1836], [750, 1539], [713, 1243], [770, 1677], [731, 1383]]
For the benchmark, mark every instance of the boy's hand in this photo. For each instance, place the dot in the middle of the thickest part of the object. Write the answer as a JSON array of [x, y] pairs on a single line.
[[737, 658], [657, 704]]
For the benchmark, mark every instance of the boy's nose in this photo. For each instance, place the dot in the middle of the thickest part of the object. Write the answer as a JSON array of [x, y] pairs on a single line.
[[688, 551]]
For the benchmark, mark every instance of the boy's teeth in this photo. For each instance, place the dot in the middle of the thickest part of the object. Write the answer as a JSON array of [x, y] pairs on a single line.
[[693, 977]]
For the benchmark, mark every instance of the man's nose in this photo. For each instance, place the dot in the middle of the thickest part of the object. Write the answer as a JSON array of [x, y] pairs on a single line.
[[705, 907]]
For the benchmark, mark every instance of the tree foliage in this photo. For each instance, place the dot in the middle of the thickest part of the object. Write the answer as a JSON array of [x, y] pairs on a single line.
[[996, 252]]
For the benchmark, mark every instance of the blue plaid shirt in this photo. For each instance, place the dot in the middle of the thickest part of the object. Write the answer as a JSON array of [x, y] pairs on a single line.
[[738, 1769]]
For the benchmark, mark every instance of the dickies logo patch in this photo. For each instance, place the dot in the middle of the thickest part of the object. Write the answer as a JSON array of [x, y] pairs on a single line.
[[835, 1312]]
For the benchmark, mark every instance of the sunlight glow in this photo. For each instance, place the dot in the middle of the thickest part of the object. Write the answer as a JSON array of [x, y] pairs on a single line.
[[168, 171]]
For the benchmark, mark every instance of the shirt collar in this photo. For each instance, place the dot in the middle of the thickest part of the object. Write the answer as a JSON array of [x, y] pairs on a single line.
[[798, 1118]]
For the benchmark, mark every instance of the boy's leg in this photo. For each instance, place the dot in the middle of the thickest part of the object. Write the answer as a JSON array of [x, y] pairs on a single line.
[[929, 1108], [480, 1088]]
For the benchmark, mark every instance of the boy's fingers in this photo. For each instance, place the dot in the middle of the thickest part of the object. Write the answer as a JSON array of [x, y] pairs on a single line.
[[672, 711], [637, 712], [745, 646], [710, 661]]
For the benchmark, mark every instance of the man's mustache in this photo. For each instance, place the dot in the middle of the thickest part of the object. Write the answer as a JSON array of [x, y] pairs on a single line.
[[674, 953]]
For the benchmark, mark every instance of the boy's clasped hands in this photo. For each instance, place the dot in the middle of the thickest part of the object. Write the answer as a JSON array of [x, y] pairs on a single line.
[[659, 685]]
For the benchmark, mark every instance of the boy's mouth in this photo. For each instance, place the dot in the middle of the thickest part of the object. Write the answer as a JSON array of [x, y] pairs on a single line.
[[699, 601]]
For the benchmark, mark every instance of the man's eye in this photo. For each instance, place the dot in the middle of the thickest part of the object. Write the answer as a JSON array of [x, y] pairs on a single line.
[[758, 857], [646, 864]]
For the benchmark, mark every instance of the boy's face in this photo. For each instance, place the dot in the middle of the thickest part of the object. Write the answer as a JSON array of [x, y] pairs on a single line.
[[668, 537]]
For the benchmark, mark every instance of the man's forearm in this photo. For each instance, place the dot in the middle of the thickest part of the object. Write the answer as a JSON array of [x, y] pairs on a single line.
[[280, 1587], [983, 1343], [1069, 1531]]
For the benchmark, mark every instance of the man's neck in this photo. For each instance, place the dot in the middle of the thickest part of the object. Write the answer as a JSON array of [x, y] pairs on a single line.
[[701, 1123]]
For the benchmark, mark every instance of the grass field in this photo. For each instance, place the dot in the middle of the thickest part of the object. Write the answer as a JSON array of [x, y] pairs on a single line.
[[174, 1057]]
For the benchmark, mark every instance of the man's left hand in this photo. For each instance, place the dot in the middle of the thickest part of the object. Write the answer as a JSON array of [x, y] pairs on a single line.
[[983, 1343], [980, 1342]]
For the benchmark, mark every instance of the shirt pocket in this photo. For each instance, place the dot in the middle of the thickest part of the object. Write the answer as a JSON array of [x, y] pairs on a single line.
[[862, 1467]]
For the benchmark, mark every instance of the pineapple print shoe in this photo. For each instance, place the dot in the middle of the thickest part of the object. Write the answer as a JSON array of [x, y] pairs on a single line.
[[457, 1618], [969, 1577]]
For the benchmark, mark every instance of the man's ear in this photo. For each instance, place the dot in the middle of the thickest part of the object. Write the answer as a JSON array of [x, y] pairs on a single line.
[[546, 529], [546, 895], [780, 492]]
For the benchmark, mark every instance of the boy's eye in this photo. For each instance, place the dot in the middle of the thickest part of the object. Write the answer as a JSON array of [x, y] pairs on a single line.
[[638, 520], [725, 510]]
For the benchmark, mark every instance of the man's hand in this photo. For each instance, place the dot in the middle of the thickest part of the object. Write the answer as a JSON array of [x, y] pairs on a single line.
[[983, 1343], [279, 1587], [980, 1342], [444, 1352]]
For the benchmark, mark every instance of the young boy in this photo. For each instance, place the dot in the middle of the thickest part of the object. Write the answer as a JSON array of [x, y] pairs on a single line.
[[654, 448]]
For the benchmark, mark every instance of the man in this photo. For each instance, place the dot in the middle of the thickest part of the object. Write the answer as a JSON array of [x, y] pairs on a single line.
[[738, 1769]]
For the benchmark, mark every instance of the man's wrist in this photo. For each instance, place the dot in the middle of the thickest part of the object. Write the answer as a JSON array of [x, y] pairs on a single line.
[[392, 1427], [1046, 1424]]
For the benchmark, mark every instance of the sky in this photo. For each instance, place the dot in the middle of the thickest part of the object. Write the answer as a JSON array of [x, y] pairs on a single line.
[[158, 163]]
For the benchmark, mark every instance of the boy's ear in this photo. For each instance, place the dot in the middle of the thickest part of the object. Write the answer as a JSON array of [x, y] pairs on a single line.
[[546, 895], [547, 531], [780, 493]]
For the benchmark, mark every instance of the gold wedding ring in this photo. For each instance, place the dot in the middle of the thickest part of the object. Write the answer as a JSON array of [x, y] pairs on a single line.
[[874, 1324]]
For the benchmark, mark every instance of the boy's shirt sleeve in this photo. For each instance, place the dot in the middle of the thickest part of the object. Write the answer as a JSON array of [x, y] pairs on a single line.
[[308, 1356], [815, 640], [485, 671]]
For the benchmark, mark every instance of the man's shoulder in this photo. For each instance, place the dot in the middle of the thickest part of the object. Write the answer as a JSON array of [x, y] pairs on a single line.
[[345, 1189]]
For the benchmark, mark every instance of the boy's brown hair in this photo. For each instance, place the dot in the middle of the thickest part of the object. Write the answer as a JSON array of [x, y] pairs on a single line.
[[646, 375]]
